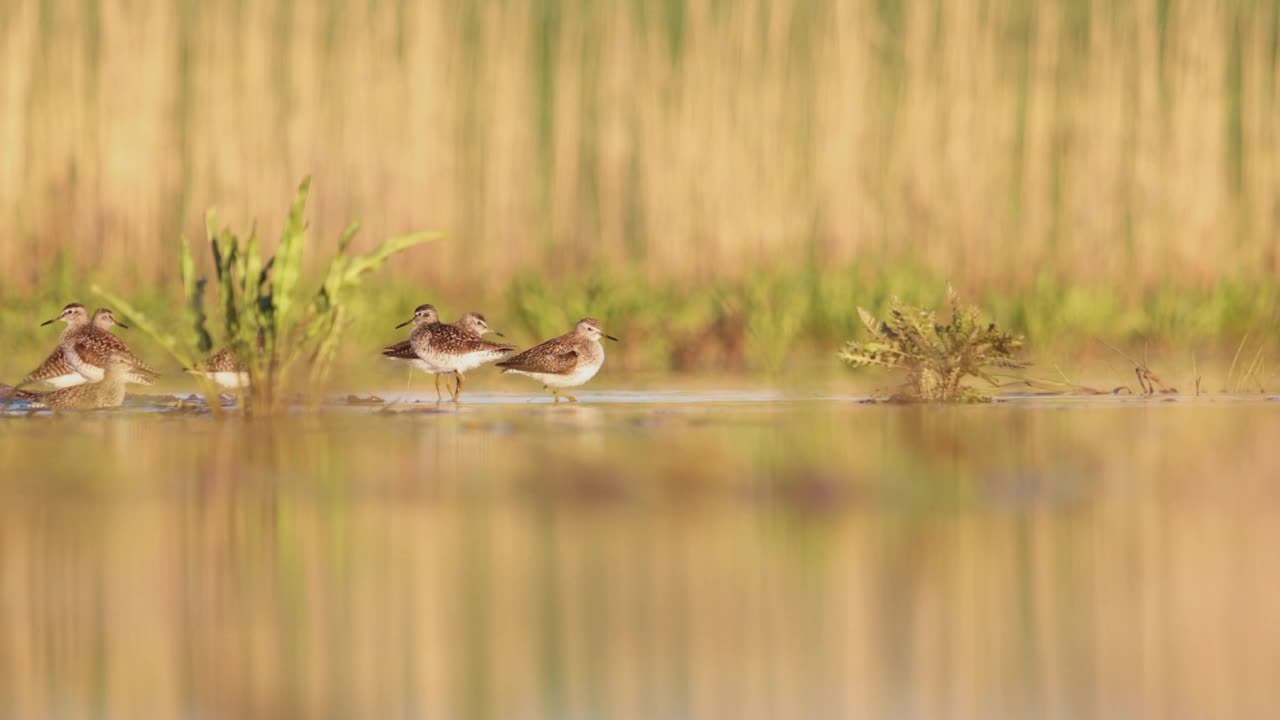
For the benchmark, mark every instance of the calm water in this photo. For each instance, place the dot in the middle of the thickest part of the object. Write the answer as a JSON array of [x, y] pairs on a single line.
[[677, 556]]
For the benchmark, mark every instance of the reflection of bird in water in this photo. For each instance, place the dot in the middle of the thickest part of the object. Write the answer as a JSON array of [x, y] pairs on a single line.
[[108, 392], [563, 362], [56, 370]]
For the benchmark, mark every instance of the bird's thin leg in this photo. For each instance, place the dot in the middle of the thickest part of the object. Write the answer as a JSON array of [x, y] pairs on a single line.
[[438, 396], [457, 390], [408, 381]]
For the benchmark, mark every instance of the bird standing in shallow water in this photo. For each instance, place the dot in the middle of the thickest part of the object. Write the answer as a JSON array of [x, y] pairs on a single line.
[[87, 347], [224, 369], [424, 314], [567, 361], [56, 370], [441, 348], [108, 392]]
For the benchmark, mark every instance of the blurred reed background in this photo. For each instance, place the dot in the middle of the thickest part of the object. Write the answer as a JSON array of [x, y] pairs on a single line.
[[1116, 149], [1118, 141]]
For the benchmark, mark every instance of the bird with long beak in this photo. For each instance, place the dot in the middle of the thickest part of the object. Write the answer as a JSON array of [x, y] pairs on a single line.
[[108, 392], [441, 349], [56, 371], [563, 362], [86, 347]]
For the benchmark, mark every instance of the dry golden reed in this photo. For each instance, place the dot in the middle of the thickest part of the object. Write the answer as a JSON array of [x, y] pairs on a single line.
[[1131, 141]]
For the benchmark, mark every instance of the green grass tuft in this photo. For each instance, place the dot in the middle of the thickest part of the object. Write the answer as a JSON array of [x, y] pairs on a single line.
[[938, 357], [273, 328]]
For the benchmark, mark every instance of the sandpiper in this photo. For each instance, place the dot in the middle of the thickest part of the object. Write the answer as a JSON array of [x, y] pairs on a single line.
[[567, 361], [422, 315], [454, 348], [223, 368], [87, 347], [56, 371], [105, 393]]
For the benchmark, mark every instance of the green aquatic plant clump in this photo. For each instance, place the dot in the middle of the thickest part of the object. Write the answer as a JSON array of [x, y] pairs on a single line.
[[938, 357], [272, 328]]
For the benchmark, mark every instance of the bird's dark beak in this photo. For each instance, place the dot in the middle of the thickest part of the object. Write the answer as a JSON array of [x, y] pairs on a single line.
[[48, 322], [120, 324], [495, 332], [406, 322], [613, 338]]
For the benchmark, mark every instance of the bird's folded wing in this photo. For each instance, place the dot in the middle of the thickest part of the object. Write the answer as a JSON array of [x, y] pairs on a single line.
[[400, 351], [56, 365], [554, 363]]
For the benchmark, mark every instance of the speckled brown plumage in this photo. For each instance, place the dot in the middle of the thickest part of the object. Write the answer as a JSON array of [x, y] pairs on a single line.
[[441, 340], [400, 351], [56, 369], [225, 360], [566, 361], [91, 346], [224, 368], [459, 336], [106, 393], [558, 356], [439, 348], [87, 347]]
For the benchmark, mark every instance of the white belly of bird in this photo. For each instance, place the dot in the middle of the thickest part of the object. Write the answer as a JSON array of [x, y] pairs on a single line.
[[418, 363], [471, 361], [580, 375], [92, 372], [461, 363], [65, 381], [229, 379], [425, 366]]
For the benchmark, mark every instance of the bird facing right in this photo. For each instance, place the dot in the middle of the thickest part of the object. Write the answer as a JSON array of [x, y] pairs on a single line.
[[564, 362]]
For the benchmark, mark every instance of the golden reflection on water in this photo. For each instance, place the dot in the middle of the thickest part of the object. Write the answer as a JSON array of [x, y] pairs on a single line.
[[720, 560]]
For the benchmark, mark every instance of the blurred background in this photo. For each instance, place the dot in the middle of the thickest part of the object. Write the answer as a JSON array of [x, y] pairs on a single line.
[[721, 529], [739, 172]]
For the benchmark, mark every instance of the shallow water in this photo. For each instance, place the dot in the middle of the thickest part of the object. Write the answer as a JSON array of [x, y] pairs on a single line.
[[708, 554]]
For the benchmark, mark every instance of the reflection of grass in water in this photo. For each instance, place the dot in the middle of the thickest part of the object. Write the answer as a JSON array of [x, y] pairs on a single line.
[[746, 603]]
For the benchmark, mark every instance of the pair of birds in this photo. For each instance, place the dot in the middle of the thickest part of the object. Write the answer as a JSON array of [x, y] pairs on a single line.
[[90, 367], [455, 348]]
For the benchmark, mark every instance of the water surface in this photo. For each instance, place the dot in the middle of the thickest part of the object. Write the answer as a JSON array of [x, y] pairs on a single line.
[[693, 554]]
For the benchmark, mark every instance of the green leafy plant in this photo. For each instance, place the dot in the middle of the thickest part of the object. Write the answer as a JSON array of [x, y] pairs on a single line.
[[938, 357], [273, 328]]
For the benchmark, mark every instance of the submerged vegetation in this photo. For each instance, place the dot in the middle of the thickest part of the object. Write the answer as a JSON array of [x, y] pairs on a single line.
[[284, 341], [937, 357]]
